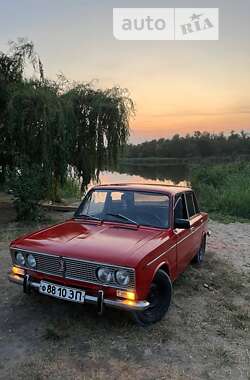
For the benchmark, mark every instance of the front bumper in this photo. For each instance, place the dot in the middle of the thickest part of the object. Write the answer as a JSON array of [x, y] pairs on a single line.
[[27, 283]]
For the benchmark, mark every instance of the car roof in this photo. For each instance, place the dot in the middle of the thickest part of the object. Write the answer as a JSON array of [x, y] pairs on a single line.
[[161, 188]]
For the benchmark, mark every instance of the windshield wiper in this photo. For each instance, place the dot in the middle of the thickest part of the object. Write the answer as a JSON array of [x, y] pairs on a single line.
[[123, 217], [87, 217]]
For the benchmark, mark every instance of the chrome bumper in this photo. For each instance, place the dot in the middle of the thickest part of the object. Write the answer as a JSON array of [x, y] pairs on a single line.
[[99, 300]]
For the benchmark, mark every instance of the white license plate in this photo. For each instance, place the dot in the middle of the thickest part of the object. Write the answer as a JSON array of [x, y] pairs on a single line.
[[62, 292]]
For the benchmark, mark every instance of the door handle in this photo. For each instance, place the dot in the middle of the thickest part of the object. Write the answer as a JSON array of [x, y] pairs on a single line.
[[192, 229]]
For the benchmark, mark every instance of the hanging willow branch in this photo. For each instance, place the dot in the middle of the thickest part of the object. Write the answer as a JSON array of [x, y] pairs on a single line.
[[58, 125], [99, 128]]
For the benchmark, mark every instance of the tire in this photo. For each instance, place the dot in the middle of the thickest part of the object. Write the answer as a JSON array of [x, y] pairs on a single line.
[[199, 257], [159, 297]]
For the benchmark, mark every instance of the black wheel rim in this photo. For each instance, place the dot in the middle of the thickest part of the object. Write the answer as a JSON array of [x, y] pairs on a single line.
[[155, 298]]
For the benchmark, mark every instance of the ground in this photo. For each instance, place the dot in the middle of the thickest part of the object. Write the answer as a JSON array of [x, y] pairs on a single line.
[[205, 335]]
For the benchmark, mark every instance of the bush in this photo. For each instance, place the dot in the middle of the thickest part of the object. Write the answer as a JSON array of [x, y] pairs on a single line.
[[28, 187], [70, 189], [224, 189]]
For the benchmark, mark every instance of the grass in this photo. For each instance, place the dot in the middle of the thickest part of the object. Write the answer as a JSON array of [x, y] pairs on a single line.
[[224, 190], [226, 219]]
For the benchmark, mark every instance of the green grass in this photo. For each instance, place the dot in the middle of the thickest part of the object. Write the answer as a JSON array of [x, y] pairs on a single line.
[[226, 219], [224, 190]]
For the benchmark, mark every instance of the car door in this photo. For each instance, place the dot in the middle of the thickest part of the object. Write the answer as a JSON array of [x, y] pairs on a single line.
[[184, 241], [196, 221]]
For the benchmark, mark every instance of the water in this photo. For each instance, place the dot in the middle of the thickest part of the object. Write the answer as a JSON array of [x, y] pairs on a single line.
[[162, 174]]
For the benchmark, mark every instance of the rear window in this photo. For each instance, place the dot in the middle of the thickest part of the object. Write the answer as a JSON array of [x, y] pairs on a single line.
[[150, 199]]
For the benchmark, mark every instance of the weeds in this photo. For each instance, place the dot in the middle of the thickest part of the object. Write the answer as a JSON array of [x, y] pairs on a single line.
[[224, 190]]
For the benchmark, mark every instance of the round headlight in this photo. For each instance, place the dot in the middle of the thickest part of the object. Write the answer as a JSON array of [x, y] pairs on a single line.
[[105, 275], [20, 259], [122, 277], [31, 261]]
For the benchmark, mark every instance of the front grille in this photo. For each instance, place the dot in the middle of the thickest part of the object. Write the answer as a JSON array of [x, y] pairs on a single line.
[[74, 269]]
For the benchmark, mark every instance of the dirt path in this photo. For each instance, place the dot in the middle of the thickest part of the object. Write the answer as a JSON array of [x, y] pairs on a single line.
[[232, 242], [204, 336]]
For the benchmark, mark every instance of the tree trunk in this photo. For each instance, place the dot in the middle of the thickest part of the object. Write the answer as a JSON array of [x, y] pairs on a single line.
[[3, 174]]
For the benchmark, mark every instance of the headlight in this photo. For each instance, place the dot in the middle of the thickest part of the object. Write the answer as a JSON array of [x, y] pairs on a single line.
[[20, 259], [105, 274], [31, 261], [122, 277]]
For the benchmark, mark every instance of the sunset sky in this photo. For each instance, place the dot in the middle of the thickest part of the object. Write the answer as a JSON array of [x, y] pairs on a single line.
[[178, 86]]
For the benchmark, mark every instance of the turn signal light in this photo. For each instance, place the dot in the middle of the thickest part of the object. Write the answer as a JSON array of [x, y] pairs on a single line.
[[128, 295], [17, 271]]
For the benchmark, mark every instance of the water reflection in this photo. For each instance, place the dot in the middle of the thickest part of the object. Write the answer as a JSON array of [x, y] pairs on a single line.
[[165, 174]]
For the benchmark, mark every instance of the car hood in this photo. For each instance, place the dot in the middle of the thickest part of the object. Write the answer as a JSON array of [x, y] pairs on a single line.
[[113, 244]]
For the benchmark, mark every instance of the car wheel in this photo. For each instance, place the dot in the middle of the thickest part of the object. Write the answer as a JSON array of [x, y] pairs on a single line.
[[199, 257], [159, 297]]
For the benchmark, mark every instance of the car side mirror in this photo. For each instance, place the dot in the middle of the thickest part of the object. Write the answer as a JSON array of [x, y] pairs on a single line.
[[182, 223]]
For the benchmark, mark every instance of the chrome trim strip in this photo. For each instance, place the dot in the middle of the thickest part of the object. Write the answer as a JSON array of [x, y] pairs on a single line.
[[162, 254], [196, 229], [116, 303], [185, 197], [15, 278]]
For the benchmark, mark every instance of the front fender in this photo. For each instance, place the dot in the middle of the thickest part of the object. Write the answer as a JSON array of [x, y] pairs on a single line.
[[145, 276]]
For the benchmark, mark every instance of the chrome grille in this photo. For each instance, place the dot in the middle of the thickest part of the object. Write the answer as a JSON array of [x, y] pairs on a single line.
[[74, 269], [47, 264]]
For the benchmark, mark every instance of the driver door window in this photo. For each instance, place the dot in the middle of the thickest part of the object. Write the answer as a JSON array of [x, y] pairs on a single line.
[[190, 204], [184, 239], [180, 210]]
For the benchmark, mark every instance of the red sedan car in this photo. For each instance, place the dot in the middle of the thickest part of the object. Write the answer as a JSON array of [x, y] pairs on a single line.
[[123, 248]]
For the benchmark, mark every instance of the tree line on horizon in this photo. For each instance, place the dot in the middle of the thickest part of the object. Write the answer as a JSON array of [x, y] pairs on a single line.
[[50, 128], [199, 144]]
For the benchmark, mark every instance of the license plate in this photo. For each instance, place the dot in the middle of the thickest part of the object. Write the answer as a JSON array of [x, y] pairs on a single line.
[[62, 292]]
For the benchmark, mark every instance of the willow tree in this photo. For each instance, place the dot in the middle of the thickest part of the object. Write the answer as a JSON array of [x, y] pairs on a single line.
[[98, 126], [47, 128], [12, 66], [38, 131]]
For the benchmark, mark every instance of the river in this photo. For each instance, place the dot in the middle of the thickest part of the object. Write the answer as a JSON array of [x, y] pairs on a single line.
[[164, 174]]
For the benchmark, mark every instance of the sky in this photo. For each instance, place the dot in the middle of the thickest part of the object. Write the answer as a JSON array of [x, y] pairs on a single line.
[[177, 86]]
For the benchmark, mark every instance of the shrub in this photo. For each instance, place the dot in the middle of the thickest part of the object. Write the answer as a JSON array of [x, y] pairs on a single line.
[[70, 189], [28, 186], [224, 189]]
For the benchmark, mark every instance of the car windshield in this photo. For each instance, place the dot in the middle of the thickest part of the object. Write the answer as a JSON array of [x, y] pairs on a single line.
[[126, 206]]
